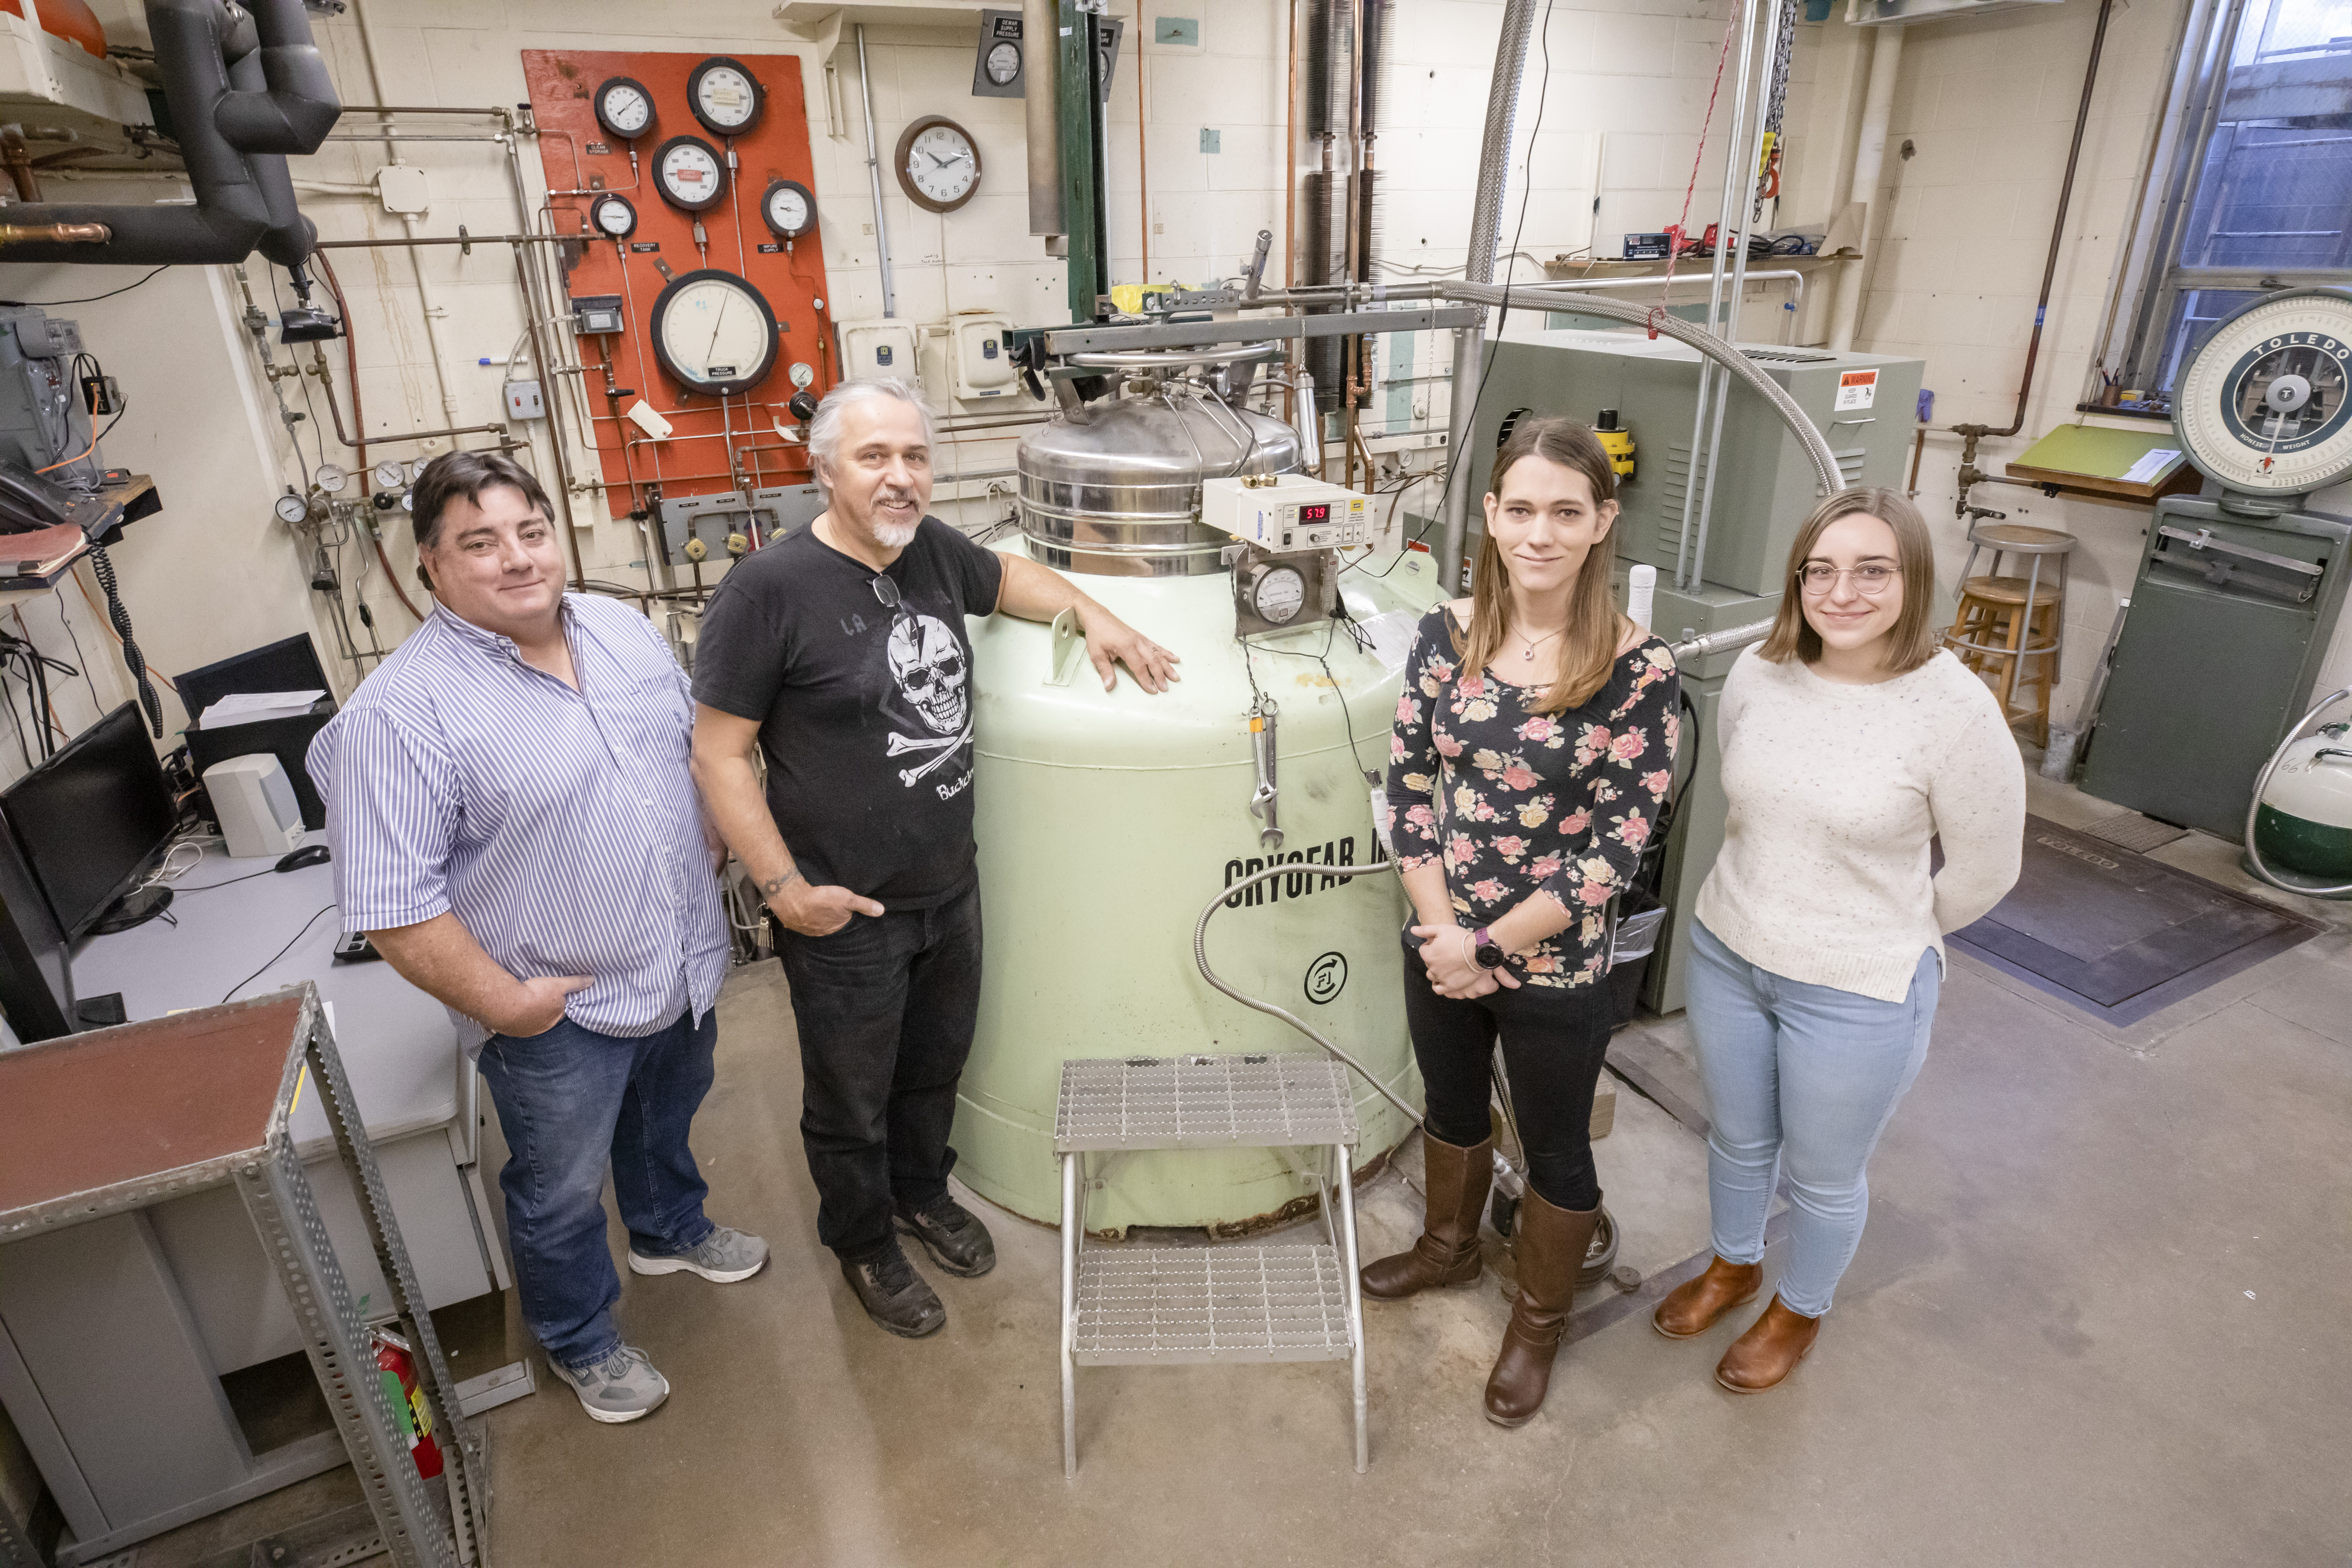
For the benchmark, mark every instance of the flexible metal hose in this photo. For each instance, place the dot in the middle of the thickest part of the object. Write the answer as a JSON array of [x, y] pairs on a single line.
[[1817, 447]]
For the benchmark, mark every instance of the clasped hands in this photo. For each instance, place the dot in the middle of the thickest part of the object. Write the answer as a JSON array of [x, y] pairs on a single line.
[[1449, 954]]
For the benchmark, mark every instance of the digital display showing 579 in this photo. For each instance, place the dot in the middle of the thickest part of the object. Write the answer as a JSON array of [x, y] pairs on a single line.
[[1320, 512]]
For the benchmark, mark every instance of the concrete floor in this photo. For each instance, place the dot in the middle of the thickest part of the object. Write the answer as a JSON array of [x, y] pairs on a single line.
[[2096, 1319]]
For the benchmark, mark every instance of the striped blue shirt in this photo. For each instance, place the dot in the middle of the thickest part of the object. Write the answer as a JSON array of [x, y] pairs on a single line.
[[562, 827]]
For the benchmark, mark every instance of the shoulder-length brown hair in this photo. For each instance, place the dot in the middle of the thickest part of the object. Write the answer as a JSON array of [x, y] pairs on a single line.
[[1588, 648], [1913, 642]]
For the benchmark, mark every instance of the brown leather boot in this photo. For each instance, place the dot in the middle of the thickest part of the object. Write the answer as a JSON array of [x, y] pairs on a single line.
[[1767, 1352], [1693, 1306], [1550, 1243], [1455, 1181]]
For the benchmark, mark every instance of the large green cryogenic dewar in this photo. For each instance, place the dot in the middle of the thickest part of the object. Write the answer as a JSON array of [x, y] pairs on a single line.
[[1106, 820]]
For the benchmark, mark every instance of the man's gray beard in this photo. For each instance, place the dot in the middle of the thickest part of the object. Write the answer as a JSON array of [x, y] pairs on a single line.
[[894, 536]]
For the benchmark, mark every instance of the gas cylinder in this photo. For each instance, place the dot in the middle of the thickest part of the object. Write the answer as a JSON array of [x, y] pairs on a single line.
[[396, 1365], [2305, 822]]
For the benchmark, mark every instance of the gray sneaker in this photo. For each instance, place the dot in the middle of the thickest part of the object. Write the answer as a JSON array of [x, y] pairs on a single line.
[[621, 1387], [722, 1258]]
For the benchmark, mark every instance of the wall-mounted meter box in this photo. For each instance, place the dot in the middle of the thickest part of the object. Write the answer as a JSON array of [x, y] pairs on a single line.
[[878, 348], [1287, 511], [593, 314], [980, 348]]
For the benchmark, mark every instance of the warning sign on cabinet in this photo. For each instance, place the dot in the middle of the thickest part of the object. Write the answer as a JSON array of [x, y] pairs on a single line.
[[1857, 389]]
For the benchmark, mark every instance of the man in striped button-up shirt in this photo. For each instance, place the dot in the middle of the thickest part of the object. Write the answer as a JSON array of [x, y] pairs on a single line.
[[514, 825]]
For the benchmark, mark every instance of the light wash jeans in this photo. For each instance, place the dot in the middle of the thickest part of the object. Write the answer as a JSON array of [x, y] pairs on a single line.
[[1808, 1075]]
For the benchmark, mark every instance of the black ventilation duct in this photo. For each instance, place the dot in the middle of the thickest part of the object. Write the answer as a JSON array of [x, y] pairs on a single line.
[[245, 89]]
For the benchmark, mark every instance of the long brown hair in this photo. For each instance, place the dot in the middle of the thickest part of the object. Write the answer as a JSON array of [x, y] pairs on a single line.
[[1588, 648], [1913, 642]]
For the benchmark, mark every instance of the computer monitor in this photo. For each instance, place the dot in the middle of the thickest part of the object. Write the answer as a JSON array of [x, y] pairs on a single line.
[[291, 664], [92, 819]]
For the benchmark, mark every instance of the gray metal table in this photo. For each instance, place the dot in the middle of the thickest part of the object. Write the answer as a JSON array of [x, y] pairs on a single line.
[[117, 1121]]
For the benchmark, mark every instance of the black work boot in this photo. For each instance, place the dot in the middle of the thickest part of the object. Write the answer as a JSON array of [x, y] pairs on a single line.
[[950, 1233], [896, 1298]]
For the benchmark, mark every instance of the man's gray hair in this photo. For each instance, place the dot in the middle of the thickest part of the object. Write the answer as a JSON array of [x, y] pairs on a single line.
[[825, 430]]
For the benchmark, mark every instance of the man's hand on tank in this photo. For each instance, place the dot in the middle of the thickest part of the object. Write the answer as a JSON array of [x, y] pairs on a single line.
[[818, 911], [1111, 642]]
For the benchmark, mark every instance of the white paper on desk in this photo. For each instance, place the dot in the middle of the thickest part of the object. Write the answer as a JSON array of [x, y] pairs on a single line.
[[2152, 463], [1391, 634], [250, 707]]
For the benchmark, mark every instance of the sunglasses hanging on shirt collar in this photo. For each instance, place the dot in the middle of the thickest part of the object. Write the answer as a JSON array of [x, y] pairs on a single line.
[[887, 591]]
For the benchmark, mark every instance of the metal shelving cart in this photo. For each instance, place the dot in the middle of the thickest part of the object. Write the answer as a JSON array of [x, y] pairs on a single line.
[[116, 1119], [1241, 1302]]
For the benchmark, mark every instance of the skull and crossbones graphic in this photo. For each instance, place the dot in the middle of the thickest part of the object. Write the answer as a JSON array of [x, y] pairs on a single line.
[[927, 664]]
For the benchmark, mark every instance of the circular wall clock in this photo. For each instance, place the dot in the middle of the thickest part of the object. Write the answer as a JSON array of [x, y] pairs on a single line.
[[938, 163], [615, 217], [625, 107], [788, 208], [690, 173], [1003, 62], [2262, 407], [724, 96], [714, 332]]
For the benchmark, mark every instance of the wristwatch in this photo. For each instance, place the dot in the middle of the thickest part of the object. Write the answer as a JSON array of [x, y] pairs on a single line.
[[1483, 948]]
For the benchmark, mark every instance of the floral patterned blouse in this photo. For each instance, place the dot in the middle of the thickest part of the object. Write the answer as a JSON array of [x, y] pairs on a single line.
[[1517, 803]]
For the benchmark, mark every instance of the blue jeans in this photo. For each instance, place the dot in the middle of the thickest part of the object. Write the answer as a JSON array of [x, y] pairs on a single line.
[[1806, 1076], [571, 1101]]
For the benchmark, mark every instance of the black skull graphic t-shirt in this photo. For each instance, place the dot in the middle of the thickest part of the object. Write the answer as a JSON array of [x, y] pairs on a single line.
[[862, 685]]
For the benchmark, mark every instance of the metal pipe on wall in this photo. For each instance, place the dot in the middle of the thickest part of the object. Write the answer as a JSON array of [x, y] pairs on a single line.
[[1494, 147], [1040, 20], [874, 174], [1869, 156]]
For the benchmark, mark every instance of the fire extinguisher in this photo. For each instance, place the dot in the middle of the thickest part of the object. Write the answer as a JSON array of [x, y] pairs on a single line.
[[397, 1366]]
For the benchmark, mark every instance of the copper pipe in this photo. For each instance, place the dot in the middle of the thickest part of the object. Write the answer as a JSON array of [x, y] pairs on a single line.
[[351, 361], [19, 161], [54, 232]]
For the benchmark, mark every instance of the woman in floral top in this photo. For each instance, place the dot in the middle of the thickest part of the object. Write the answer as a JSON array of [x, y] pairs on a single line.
[[1533, 753]]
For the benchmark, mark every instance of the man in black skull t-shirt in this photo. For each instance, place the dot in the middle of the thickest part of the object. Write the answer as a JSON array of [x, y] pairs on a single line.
[[841, 650]]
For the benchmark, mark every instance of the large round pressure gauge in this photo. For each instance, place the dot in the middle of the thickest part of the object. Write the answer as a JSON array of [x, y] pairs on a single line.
[[614, 216], [724, 96], [691, 174], [2262, 409], [624, 109], [788, 209], [1278, 595], [714, 332]]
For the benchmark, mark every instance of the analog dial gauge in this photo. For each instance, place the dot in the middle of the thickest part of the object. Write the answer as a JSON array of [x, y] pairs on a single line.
[[332, 477], [938, 163], [803, 375], [725, 98], [1004, 63], [690, 173], [714, 332], [614, 216], [408, 500], [624, 109], [2262, 408], [788, 209], [390, 476], [292, 508], [1278, 595]]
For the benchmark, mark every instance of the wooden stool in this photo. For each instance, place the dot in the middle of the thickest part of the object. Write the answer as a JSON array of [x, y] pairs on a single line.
[[2006, 620]]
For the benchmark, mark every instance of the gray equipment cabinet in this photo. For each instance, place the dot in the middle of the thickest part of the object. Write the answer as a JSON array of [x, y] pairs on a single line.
[[109, 1123]]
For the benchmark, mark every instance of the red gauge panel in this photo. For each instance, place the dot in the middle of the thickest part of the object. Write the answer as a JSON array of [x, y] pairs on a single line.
[[715, 442]]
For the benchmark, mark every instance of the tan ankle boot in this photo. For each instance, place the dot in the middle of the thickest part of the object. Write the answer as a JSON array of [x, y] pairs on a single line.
[[1550, 1243], [1693, 1306], [1455, 1181], [1767, 1352]]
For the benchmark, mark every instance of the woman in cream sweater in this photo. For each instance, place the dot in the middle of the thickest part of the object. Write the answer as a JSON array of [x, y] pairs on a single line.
[[1849, 740]]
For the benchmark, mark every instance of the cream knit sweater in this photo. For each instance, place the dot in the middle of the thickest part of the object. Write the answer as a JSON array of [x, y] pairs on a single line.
[[1835, 791]]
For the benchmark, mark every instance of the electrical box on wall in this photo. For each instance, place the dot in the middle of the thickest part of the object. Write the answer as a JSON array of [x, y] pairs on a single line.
[[523, 401], [880, 348], [980, 348]]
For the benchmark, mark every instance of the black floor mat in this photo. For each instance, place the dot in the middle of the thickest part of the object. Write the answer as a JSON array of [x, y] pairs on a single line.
[[2120, 935]]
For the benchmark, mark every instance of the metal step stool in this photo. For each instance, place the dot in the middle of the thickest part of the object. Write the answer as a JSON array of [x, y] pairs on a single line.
[[1245, 1302]]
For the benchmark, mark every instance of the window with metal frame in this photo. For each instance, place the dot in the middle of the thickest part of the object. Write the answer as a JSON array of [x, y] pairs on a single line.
[[2257, 194]]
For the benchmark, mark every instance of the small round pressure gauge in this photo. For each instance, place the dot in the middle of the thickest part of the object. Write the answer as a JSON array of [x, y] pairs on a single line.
[[614, 216], [389, 475], [803, 376], [690, 173], [788, 209], [1004, 62], [408, 500], [331, 479], [625, 107], [724, 96], [1278, 595], [291, 508]]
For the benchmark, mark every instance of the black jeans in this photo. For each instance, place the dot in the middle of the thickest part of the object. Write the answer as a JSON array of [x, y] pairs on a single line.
[[1554, 1038], [886, 1007]]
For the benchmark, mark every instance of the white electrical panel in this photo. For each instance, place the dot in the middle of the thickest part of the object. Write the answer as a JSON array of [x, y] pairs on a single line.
[[1291, 513], [980, 347], [877, 348]]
